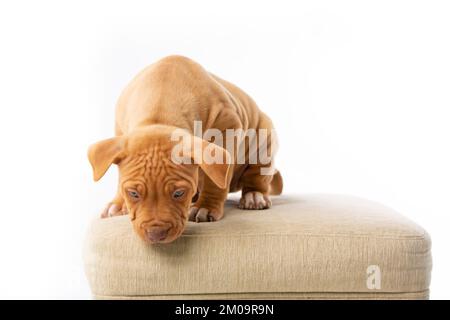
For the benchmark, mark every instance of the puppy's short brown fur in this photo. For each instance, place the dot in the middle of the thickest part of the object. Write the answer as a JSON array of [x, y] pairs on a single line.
[[159, 195]]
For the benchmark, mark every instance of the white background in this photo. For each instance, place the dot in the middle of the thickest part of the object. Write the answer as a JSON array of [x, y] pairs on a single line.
[[358, 90]]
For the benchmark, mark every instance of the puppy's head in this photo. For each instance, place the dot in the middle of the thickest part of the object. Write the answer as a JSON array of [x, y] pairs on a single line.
[[156, 189]]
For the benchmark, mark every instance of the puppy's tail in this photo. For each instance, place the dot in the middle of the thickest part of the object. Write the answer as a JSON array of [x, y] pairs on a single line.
[[276, 185]]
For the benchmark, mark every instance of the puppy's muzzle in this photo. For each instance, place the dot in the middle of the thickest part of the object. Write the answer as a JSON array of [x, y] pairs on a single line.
[[157, 233]]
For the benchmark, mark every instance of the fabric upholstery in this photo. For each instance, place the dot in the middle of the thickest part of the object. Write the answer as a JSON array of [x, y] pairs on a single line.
[[304, 247]]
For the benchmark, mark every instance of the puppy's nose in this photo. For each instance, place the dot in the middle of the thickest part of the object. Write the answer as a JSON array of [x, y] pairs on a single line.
[[155, 234]]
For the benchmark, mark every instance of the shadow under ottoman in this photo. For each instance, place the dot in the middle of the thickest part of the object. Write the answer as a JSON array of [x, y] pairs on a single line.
[[304, 247]]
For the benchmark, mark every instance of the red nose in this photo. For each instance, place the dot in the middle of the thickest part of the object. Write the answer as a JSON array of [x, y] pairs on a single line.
[[156, 234]]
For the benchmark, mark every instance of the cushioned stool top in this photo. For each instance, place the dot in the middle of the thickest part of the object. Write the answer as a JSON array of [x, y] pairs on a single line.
[[306, 246]]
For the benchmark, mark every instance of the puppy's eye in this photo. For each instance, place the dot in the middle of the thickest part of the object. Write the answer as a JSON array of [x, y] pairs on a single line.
[[133, 194], [178, 194]]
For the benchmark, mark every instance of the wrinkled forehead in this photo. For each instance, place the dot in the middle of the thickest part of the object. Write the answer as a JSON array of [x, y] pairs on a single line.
[[153, 165]]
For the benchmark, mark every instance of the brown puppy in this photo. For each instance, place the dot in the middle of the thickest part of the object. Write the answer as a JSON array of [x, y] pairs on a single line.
[[160, 194]]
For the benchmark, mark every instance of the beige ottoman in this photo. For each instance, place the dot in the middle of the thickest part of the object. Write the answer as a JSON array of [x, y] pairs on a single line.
[[304, 247]]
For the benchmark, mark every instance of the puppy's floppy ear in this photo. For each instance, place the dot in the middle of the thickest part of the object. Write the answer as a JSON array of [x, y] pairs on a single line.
[[103, 153], [213, 160]]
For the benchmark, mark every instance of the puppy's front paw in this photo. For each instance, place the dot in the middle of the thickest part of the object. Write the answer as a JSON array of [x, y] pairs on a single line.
[[112, 210], [204, 215], [254, 200]]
